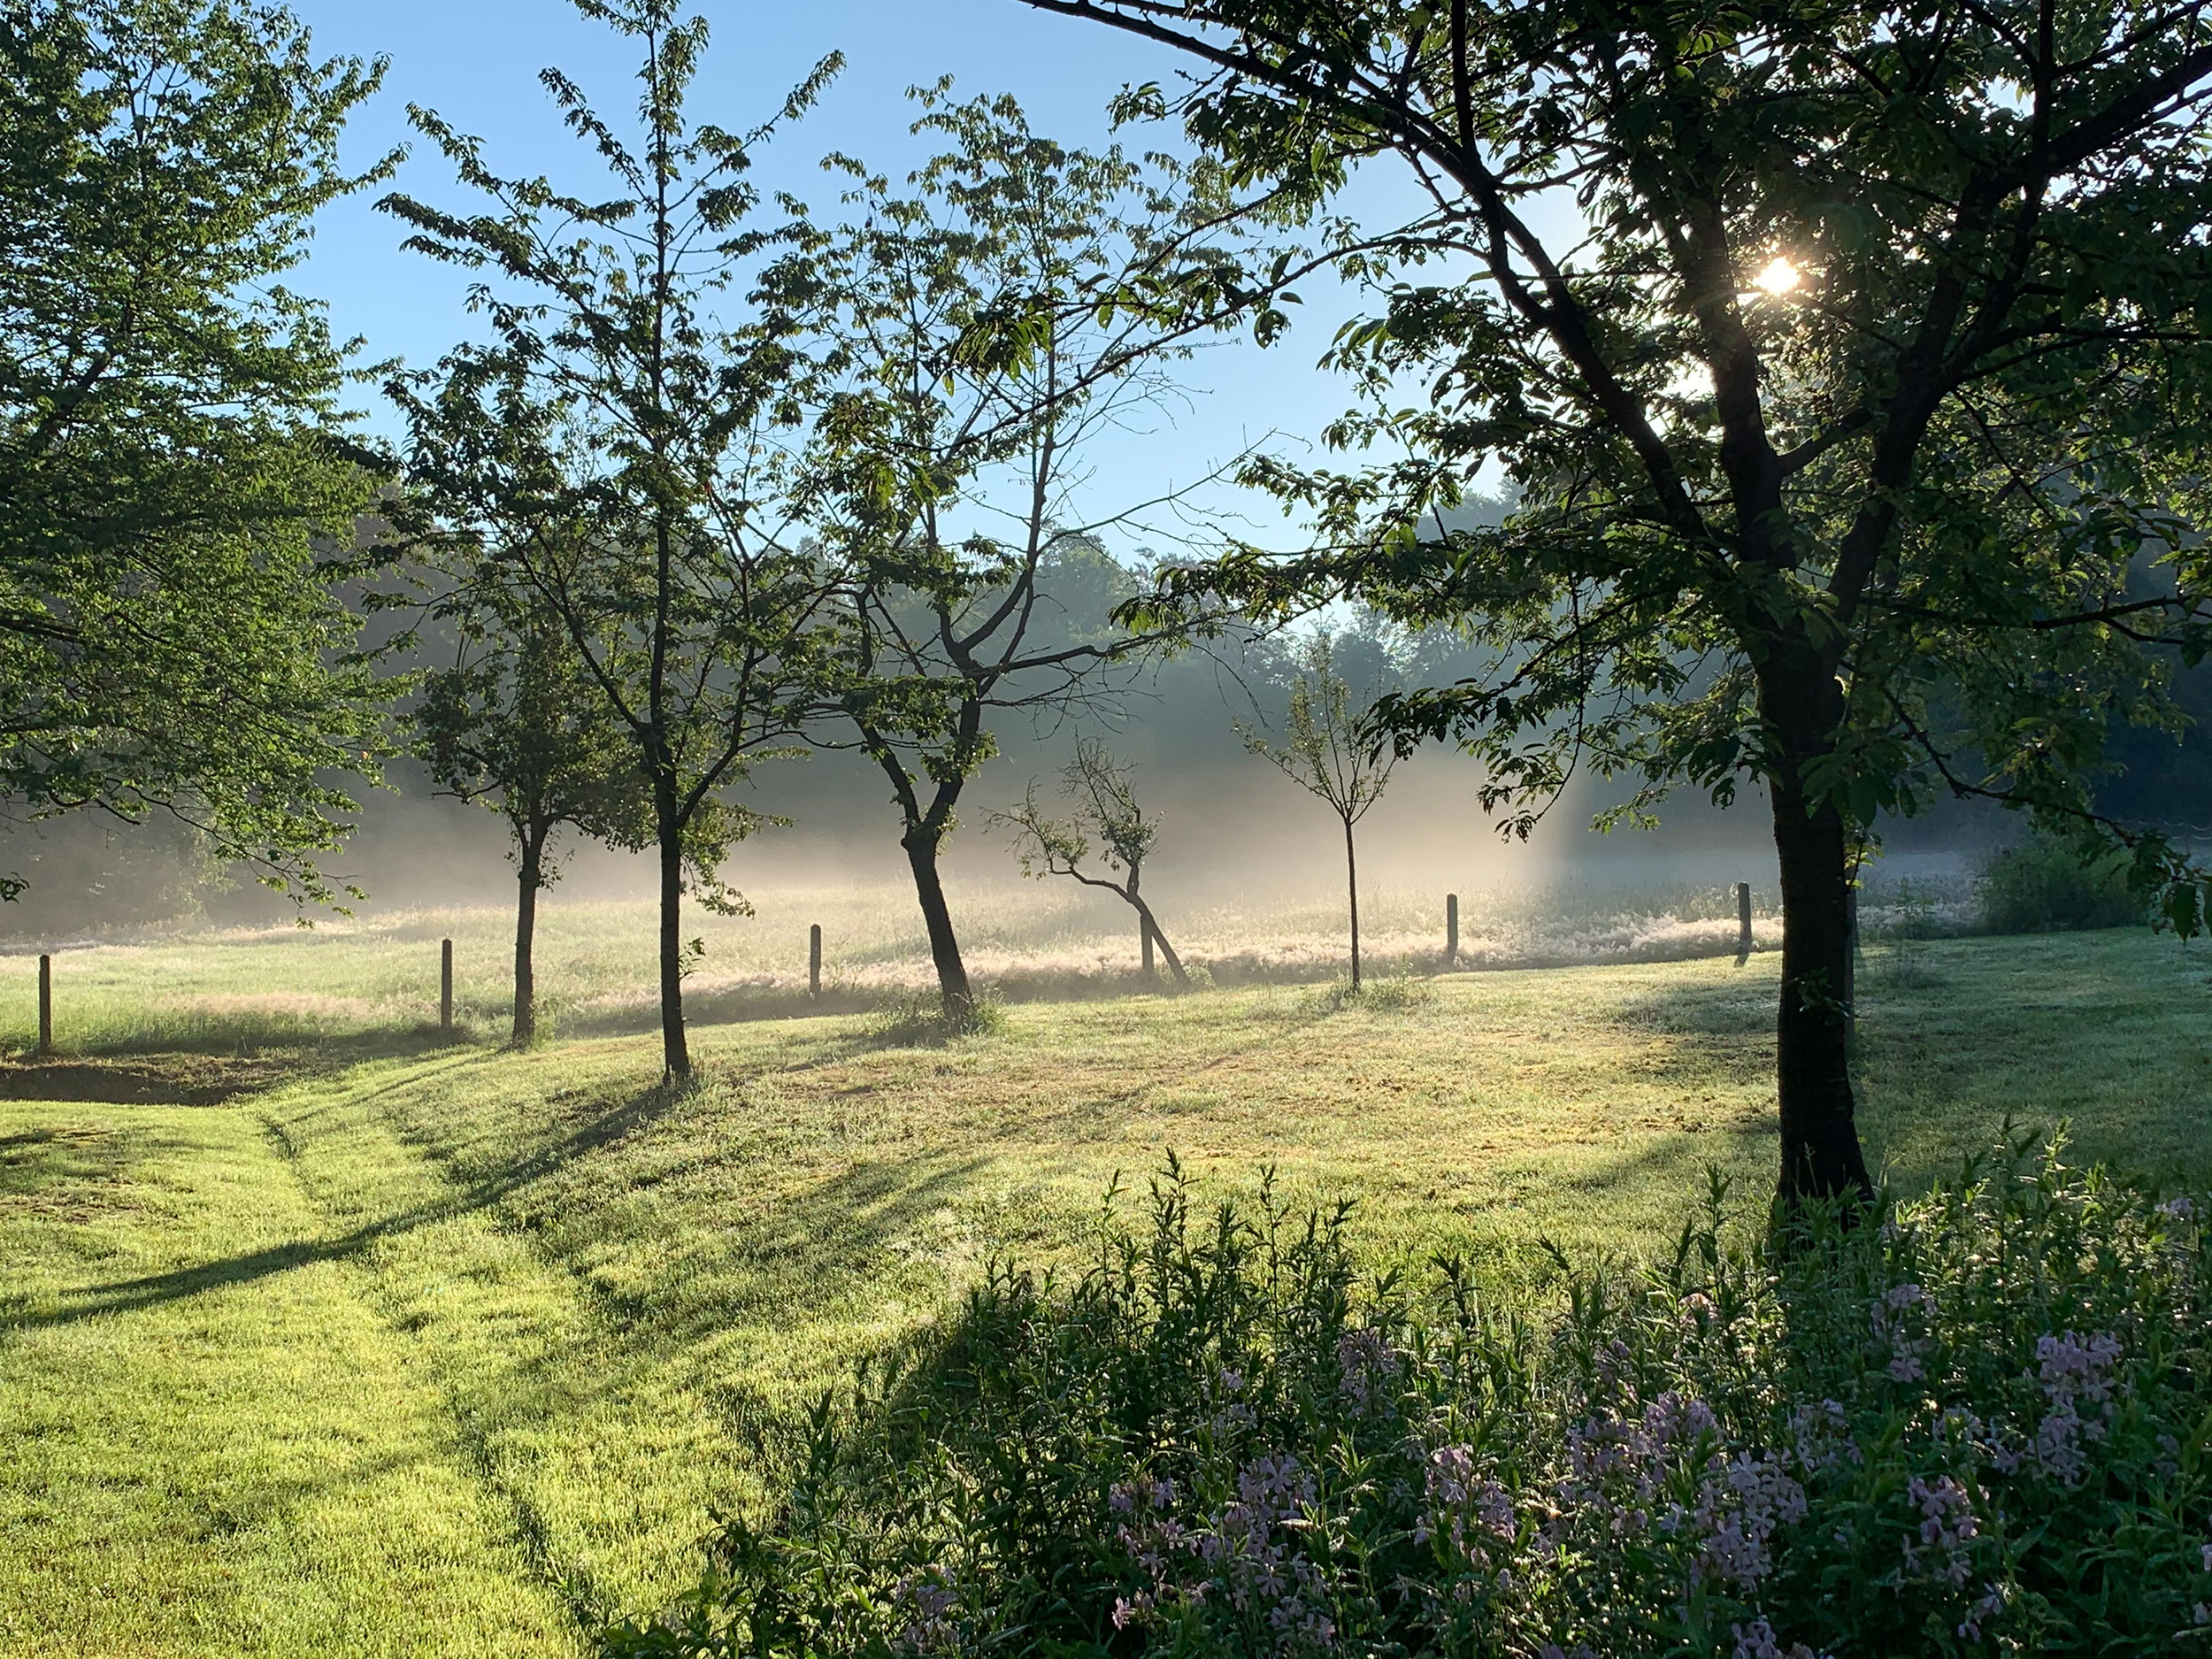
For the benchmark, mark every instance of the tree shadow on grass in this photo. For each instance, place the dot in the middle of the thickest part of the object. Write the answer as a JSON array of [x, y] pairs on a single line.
[[148, 1290], [69, 1171], [178, 1080], [1713, 1006], [165, 1071], [812, 1250]]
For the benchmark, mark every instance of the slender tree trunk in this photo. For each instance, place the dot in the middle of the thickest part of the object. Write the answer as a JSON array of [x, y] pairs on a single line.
[[1820, 1138], [1351, 879], [1150, 928], [675, 1044], [529, 878], [1146, 931], [921, 846]]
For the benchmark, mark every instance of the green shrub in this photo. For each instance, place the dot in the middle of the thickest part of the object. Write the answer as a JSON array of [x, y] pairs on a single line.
[[1975, 1422], [920, 1019], [1399, 994], [2042, 886]]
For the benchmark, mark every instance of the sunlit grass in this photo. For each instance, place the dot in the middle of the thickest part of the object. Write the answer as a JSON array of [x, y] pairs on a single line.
[[214, 990], [453, 1349], [229, 1446]]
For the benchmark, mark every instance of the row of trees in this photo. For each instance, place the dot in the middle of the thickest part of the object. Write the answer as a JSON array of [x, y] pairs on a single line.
[[725, 485], [1856, 429]]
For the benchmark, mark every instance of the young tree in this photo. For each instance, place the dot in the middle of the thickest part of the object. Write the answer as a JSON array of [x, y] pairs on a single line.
[[177, 491], [1024, 300], [1104, 792], [1869, 362], [517, 723], [1333, 750], [614, 444]]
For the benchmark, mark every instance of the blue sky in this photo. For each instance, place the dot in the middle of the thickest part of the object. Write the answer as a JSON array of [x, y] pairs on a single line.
[[476, 63]]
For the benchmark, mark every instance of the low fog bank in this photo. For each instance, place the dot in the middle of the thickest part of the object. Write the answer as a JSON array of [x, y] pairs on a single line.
[[1232, 833]]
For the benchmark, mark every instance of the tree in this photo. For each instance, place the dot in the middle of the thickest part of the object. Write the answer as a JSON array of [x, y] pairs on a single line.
[[517, 723], [1024, 300], [1337, 753], [614, 447], [1105, 792], [1870, 361], [177, 490]]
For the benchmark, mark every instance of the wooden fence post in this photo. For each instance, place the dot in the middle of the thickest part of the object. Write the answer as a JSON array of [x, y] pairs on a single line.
[[1451, 930], [814, 961], [1743, 919], [445, 987], [45, 1005]]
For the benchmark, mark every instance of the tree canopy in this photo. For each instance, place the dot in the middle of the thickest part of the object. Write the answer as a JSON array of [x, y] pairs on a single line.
[[177, 490], [985, 327], [615, 444]]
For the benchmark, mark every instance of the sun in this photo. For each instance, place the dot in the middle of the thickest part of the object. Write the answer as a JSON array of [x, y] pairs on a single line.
[[1779, 278]]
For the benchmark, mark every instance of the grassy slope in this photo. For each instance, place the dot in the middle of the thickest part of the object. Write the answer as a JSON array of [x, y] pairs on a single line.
[[491, 1331]]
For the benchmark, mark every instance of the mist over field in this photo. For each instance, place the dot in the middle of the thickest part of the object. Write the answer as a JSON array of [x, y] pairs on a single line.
[[745, 897], [1247, 878], [1234, 834]]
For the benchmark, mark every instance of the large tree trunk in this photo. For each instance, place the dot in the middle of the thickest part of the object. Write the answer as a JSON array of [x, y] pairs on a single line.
[[675, 1045], [1820, 1136], [530, 878], [1351, 877], [921, 844]]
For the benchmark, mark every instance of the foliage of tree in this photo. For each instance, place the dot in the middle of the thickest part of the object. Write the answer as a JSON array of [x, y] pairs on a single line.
[[1847, 355], [2041, 886], [1022, 301], [516, 722], [177, 492], [614, 445], [1107, 819], [1335, 750]]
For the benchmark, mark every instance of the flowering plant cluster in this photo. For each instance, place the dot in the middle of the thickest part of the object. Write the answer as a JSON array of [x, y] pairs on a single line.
[[1973, 1423]]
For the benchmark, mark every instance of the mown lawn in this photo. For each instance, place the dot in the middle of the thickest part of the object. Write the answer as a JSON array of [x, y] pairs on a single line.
[[453, 1350]]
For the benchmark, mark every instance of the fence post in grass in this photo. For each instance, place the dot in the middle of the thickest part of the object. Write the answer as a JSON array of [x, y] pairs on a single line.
[[445, 987], [814, 961], [1451, 930], [45, 1005], [1743, 921]]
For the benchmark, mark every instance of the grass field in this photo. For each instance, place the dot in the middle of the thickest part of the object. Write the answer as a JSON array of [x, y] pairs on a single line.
[[393, 1347], [283, 985]]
